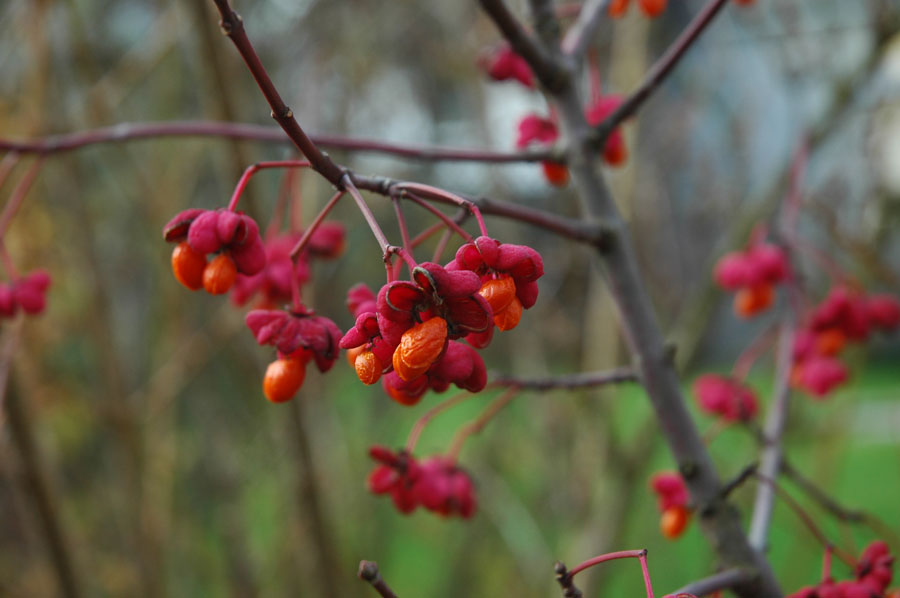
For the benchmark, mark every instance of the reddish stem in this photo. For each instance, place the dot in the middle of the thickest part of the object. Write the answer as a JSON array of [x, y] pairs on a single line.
[[826, 563], [7, 164], [441, 246], [446, 196], [420, 424], [285, 193], [622, 554], [752, 352], [18, 195], [8, 265], [476, 425], [368, 215], [444, 218], [426, 234], [253, 169], [307, 234]]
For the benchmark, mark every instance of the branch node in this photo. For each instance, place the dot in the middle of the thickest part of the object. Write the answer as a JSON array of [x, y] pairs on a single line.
[[565, 581]]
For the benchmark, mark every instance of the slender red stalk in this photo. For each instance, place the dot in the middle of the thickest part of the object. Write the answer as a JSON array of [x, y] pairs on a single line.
[[404, 230], [826, 563], [368, 215], [307, 234], [807, 520], [753, 351], [253, 169], [8, 265], [8, 162], [420, 424], [285, 193], [448, 197], [444, 218], [441, 246], [647, 585], [426, 234], [476, 425], [18, 196], [611, 556]]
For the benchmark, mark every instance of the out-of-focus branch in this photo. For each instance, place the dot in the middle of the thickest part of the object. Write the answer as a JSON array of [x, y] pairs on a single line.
[[569, 382], [578, 37], [368, 571], [56, 144], [658, 73], [770, 459], [39, 489], [720, 581], [718, 519]]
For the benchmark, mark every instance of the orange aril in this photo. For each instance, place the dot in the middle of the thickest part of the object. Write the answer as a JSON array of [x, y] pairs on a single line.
[[219, 275], [749, 301], [509, 317], [368, 367], [830, 342], [188, 265], [419, 348], [498, 292], [673, 521], [283, 379], [617, 8]]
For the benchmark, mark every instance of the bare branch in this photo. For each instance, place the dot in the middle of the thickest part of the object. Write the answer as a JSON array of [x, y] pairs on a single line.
[[720, 581], [578, 37], [40, 491], [56, 144], [368, 571], [770, 459], [571, 381], [658, 72]]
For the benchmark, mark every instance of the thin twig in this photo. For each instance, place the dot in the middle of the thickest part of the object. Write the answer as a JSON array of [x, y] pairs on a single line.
[[719, 581], [368, 571], [658, 73], [39, 489], [770, 458], [814, 529], [18, 196], [308, 233], [233, 26], [570, 381], [475, 426], [124, 132], [578, 37]]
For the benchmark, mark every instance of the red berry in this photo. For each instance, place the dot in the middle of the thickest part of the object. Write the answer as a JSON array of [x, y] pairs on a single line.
[[749, 301], [188, 266], [617, 8], [219, 275], [283, 379], [652, 8], [556, 174], [673, 521]]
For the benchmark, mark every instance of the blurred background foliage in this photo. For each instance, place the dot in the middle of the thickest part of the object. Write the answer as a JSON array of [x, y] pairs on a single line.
[[171, 474]]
